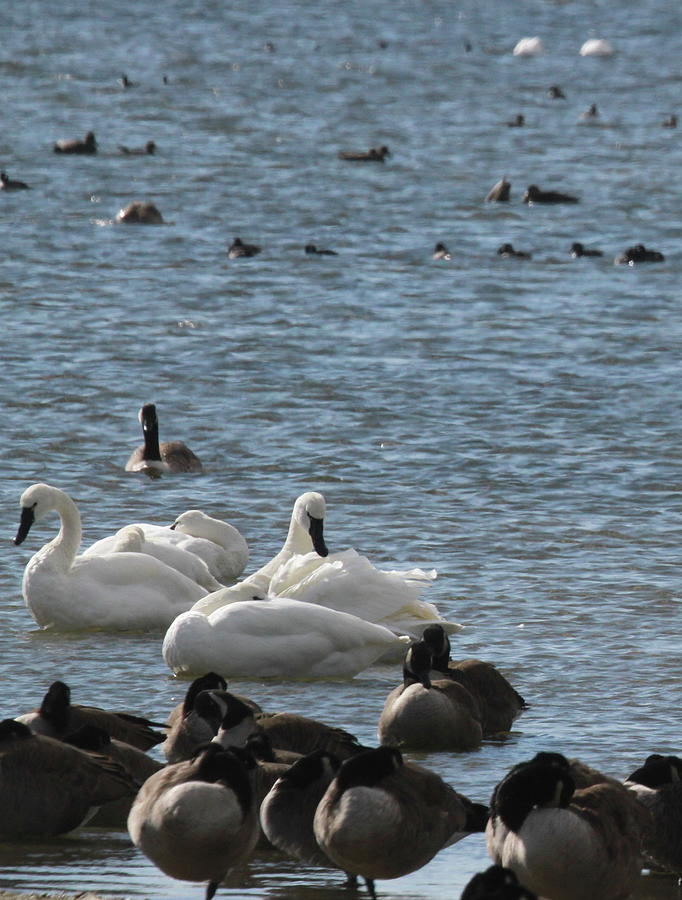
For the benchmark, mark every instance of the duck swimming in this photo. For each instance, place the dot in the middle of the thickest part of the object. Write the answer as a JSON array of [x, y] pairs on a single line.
[[374, 154], [116, 592], [577, 250], [85, 146], [506, 251], [638, 254], [440, 251], [154, 457], [148, 149], [533, 195], [139, 212], [239, 249], [312, 250], [11, 184]]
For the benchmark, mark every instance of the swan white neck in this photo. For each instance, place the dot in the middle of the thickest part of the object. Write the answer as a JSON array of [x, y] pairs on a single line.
[[63, 548]]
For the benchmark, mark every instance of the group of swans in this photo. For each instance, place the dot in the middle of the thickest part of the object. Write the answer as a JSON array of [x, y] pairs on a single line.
[[305, 613]]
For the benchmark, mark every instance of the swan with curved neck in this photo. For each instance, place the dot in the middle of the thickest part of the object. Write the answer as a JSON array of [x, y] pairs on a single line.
[[305, 535], [118, 592]]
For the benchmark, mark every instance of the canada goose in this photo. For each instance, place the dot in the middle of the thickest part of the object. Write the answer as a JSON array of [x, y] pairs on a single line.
[[197, 726], [496, 883], [498, 703], [75, 145], [125, 82], [206, 682], [590, 114], [374, 154], [383, 818], [533, 195], [196, 820], [440, 251], [566, 842], [49, 788], [506, 251], [57, 717], [638, 254], [148, 149], [658, 787], [422, 714], [288, 810], [117, 592], [499, 192], [220, 545], [11, 184], [284, 731], [155, 457], [137, 764], [140, 212], [577, 250], [518, 121], [239, 249], [555, 93]]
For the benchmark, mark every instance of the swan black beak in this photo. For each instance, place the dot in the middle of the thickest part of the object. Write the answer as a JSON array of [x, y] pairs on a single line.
[[316, 532], [27, 519]]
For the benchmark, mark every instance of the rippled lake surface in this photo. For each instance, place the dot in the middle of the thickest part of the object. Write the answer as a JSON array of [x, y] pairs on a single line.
[[514, 424]]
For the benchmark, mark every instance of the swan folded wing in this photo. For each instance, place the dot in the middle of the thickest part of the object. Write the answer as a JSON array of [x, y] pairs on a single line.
[[274, 638]]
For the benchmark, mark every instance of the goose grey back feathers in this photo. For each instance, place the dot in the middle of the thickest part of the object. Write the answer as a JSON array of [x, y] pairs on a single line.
[[49, 788]]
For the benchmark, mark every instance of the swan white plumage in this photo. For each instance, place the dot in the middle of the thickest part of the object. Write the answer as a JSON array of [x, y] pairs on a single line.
[[131, 539], [305, 535], [116, 592], [345, 581], [277, 638], [596, 47], [529, 46], [219, 544]]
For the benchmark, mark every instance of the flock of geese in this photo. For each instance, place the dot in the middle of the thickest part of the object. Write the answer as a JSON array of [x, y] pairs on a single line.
[[237, 777]]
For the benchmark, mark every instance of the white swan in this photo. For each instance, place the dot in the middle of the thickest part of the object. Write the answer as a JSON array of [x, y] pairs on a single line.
[[116, 592], [305, 535], [597, 47], [345, 581], [529, 46], [217, 543], [276, 638], [131, 539]]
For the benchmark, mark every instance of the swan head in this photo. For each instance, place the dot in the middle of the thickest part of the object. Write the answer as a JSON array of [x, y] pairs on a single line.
[[309, 512], [35, 502]]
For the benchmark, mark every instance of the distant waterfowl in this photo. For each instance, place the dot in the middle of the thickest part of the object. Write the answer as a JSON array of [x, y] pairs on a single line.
[[11, 184], [496, 883], [238, 249], [276, 638], [139, 212], [197, 820], [57, 717], [658, 787], [218, 544], [154, 457], [384, 818], [577, 250], [499, 192], [529, 46], [499, 704], [313, 250], [518, 121], [422, 714], [118, 592], [374, 154], [596, 47], [506, 251], [49, 788], [638, 254], [440, 251], [566, 842], [533, 194], [75, 145], [148, 149], [670, 121], [125, 82], [555, 93], [590, 114]]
